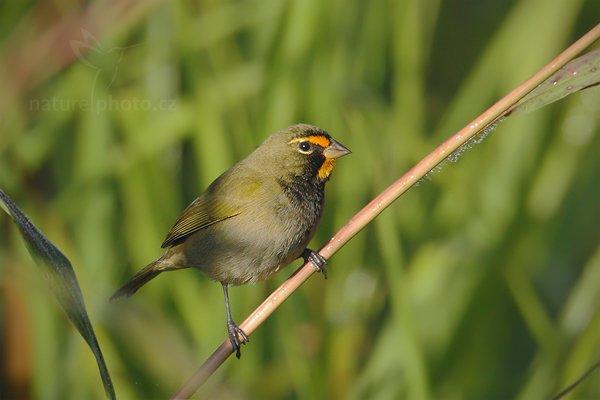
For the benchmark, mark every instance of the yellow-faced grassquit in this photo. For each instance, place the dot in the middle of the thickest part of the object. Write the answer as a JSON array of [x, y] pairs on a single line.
[[254, 219]]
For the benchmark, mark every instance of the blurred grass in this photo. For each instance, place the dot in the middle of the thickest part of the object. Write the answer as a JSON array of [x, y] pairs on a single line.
[[481, 283]]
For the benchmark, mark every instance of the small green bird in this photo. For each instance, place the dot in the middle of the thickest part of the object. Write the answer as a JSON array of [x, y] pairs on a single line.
[[254, 219]]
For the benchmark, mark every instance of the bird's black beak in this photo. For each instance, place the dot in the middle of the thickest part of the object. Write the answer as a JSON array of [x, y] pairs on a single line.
[[336, 150]]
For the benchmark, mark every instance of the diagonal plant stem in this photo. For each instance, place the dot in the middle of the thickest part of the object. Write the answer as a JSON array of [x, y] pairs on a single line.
[[381, 202]]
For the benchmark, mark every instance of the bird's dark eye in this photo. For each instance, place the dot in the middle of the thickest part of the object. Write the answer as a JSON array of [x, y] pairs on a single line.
[[305, 147]]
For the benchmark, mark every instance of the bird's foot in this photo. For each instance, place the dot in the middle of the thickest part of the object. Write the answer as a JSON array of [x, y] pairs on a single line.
[[316, 259], [235, 334]]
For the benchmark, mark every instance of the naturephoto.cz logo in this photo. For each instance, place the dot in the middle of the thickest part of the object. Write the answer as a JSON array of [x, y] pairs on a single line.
[[100, 104], [105, 63]]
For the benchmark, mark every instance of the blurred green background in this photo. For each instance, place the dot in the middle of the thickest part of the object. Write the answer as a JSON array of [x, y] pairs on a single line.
[[481, 283]]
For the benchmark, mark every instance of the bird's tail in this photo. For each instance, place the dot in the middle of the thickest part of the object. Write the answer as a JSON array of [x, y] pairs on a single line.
[[150, 272]]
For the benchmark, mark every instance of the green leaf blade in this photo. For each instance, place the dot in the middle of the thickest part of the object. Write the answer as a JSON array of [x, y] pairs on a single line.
[[581, 73], [63, 283]]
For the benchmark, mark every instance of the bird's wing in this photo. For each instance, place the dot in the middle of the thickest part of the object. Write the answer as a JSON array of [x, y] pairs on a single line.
[[224, 199], [201, 213]]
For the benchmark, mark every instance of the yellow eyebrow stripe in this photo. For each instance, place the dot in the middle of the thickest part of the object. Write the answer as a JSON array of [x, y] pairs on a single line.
[[320, 140]]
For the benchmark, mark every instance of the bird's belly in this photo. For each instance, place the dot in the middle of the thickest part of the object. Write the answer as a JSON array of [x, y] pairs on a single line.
[[237, 252]]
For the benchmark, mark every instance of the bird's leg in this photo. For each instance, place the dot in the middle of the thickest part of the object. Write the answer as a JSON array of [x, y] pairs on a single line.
[[316, 259], [234, 331]]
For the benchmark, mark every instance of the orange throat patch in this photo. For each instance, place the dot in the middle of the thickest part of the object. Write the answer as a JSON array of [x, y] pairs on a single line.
[[326, 169]]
